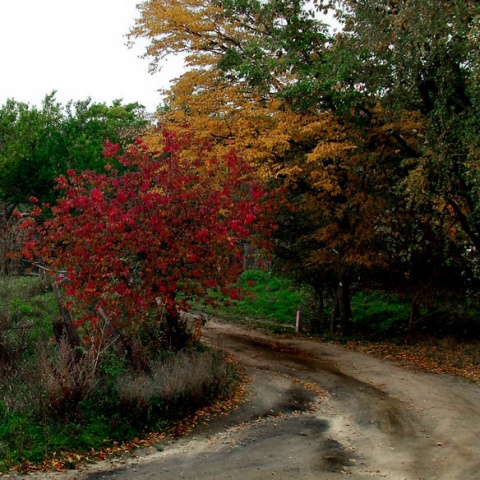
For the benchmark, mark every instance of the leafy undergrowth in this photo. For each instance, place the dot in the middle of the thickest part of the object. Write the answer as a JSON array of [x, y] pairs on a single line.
[[445, 356], [72, 459], [43, 426]]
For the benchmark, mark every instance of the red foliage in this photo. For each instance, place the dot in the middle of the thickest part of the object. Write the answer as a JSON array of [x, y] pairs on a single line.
[[165, 225]]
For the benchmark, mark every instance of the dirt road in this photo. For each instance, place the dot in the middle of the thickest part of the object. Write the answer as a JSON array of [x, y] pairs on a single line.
[[318, 411]]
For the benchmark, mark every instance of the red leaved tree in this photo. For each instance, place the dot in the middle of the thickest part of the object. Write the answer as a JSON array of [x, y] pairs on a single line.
[[137, 245]]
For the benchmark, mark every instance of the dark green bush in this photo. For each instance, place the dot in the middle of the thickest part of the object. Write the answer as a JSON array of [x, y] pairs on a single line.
[[377, 314]]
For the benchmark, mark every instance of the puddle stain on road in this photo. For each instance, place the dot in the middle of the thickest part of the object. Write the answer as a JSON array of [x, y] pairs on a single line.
[[370, 403], [303, 418]]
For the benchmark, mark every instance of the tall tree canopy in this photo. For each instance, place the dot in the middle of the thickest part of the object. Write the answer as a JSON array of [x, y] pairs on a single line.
[[422, 57], [373, 129]]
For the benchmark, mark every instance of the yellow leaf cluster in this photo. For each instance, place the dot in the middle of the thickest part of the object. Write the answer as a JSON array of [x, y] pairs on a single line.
[[193, 27], [339, 166]]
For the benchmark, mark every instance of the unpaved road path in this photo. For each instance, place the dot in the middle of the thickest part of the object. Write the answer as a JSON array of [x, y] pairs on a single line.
[[373, 419]]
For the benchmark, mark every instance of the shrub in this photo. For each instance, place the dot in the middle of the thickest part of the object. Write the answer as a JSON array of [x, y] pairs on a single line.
[[11, 240], [54, 398], [175, 386], [379, 314]]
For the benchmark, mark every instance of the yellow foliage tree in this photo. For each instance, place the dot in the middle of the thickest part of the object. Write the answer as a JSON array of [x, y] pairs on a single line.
[[260, 77]]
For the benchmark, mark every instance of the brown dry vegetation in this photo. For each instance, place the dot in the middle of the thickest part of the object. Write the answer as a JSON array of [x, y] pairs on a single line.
[[441, 356]]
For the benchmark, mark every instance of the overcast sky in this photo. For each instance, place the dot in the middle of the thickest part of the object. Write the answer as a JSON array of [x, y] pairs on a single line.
[[76, 48]]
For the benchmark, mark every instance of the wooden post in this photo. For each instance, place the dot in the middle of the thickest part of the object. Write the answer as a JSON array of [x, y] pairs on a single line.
[[298, 322]]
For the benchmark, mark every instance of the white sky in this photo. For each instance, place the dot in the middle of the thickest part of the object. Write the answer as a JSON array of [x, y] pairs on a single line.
[[76, 47]]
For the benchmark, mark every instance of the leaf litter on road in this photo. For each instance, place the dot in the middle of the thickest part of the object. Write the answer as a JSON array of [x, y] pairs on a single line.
[[442, 356]]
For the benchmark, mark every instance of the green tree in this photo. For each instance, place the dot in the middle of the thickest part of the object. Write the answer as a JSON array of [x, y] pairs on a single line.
[[39, 144], [422, 57]]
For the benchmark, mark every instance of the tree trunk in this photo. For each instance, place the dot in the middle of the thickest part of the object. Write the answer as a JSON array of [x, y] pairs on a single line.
[[133, 350], [64, 329], [341, 323], [175, 331], [319, 322], [414, 314]]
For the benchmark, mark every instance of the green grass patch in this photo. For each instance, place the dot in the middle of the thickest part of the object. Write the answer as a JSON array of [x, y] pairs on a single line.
[[271, 302], [379, 315], [268, 300]]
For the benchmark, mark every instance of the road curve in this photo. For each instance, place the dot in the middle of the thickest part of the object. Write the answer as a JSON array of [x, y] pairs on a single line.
[[318, 411]]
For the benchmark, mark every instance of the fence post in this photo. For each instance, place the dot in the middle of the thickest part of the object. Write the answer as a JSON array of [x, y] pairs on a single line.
[[298, 322]]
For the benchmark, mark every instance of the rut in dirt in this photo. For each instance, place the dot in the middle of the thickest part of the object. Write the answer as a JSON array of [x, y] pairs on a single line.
[[315, 410], [371, 404]]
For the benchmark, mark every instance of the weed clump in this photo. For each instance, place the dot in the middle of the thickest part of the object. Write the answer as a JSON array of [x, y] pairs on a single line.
[[56, 396]]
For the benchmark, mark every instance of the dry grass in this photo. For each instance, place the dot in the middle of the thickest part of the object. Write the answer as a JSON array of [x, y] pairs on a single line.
[[11, 244], [67, 378], [195, 375]]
